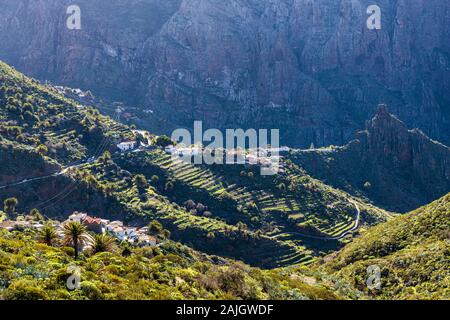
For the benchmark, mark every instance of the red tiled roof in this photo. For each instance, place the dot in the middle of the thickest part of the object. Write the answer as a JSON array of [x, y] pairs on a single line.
[[89, 220]]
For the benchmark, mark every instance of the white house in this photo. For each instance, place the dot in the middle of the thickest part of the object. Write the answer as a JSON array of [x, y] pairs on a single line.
[[146, 240], [77, 217], [114, 225], [170, 149], [131, 234], [126, 146]]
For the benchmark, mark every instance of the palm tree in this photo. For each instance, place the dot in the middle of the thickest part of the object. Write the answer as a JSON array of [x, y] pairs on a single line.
[[48, 234], [103, 243], [10, 205], [75, 234]]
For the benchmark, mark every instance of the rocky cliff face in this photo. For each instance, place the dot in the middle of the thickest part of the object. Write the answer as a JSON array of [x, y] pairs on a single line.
[[399, 169], [310, 68], [388, 140]]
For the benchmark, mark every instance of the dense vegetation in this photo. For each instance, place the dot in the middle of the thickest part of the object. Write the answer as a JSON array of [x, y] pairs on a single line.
[[38, 119], [412, 252], [33, 270]]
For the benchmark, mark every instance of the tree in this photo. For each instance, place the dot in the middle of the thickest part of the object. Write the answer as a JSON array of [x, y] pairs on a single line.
[[155, 228], [10, 205], [241, 226], [200, 207], [281, 187], [42, 150], [37, 215], [103, 243], [75, 234], [190, 204], [163, 141], [140, 181], [210, 236], [166, 234], [48, 234], [109, 189], [106, 156], [169, 186], [207, 214], [155, 179]]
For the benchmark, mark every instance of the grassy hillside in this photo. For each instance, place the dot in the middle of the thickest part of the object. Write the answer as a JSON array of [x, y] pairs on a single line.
[[412, 252], [37, 118], [284, 221]]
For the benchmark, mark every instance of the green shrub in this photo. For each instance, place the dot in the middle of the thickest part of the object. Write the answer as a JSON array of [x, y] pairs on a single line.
[[24, 289], [91, 291]]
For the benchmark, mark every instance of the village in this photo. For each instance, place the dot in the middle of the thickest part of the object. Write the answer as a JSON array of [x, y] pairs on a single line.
[[138, 237], [264, 157]]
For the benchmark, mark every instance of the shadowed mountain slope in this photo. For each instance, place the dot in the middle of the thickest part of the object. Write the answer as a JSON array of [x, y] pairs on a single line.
[[396, 168]]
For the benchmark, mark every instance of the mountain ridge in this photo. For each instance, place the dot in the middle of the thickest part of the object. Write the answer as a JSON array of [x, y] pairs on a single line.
[[398, 168], [310, 68]]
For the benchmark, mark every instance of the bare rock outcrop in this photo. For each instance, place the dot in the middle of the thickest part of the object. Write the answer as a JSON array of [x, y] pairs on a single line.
[[310, 68]]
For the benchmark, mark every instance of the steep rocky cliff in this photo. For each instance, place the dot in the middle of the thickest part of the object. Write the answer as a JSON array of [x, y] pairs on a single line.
[[311, 68], [397, 168]]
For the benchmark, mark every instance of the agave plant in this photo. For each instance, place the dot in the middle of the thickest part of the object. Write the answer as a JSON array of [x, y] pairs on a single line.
[[75, 235]]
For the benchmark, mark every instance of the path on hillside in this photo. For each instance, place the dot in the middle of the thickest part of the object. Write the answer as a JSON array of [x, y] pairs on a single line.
[[355, 227], [54, 174], [60, 172]]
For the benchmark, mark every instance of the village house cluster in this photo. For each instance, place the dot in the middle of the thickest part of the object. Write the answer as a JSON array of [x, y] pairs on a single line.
[[261, 156], [135, 236], [132, 145]]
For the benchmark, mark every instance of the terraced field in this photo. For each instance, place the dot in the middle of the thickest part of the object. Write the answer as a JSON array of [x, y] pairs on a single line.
[[286, 210], [229, 240], [272, 219]]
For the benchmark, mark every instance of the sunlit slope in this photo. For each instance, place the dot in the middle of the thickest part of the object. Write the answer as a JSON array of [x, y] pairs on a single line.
[[412, 252]]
